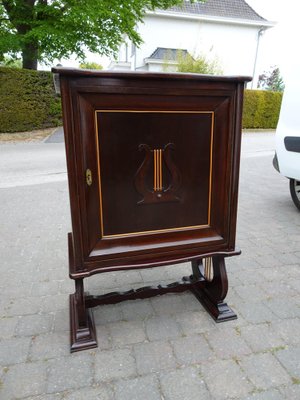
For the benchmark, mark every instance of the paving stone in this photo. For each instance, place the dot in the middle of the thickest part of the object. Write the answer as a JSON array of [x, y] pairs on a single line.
[[177, 271], [192, 350], [66, 286], [194, 322], [153, 357], [272, 394], [168, 304], [295, 284], [106, 314], [268, 260], [251, 293], [23, 306], [7, 327], [225, 379], [49, 346], [145, 387], [101, 281], [162, 327], [271, 275], [54, 303], [123, 333], [14, 350], [233, 299], [290, 359], [30, 325], [103, 392], [278, 289], [191, 302], [24, 380], [283, 307], [184, 384], [45, 288], [264, 371], [245, 263], [114, 364], [136, 310], [227, 343], [72, 372], [45, 285], [52, 396], [128, 278], [103, 337], [261, 337], [291, 392], [154, 274], [287, 330], [11, 289], [289, 258], [255, 314], [61, 321], [52, 272]]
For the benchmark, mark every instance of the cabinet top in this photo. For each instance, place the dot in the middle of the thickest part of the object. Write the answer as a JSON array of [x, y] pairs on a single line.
[[76, 72]]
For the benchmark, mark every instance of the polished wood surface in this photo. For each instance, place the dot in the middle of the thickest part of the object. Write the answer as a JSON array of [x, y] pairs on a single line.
[[153, 167]]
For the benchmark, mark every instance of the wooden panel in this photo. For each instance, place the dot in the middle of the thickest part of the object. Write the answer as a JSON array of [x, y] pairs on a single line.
[[135, 149], [163, 154]]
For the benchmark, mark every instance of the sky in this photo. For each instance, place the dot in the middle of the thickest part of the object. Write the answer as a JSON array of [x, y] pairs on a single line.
[[278, 45]]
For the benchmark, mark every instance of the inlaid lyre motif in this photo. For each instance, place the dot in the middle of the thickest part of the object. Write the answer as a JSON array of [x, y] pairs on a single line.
[[165, 186]]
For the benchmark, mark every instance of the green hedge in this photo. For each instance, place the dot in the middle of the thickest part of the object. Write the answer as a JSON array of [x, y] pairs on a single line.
[[27, 100], [261, 109]]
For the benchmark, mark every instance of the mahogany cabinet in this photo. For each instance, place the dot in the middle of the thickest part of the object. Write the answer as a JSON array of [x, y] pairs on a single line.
[[153, 168]]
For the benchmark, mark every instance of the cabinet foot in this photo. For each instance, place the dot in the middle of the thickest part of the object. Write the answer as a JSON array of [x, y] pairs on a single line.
[[213, 293], [83, 336]]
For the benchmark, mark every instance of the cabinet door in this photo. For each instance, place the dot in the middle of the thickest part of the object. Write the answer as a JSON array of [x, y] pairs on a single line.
[[156, 169]]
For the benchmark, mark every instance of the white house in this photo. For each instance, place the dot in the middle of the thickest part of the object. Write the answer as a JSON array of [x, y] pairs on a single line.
[[226, 30]]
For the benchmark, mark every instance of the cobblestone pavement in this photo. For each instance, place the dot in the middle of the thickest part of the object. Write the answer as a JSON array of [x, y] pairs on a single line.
[[162, 348]]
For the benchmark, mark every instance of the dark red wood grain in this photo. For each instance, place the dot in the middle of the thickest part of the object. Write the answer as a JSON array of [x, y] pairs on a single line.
[[108, 117]]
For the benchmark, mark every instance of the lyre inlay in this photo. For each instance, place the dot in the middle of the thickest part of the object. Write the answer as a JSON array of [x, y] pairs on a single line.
[[159, 159]]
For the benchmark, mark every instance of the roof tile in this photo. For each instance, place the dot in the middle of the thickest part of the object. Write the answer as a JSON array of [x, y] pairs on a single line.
[[219, 8]]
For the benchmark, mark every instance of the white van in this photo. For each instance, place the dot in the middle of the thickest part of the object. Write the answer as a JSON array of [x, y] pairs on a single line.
[[287, 155]]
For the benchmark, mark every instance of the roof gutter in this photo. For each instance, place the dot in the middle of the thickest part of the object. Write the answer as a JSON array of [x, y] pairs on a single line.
[[149, 60], [233, 21]]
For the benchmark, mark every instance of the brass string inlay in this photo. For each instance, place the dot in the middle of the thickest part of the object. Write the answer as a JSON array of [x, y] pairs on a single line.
[[160, 169], [154, 171], [208, 269], [157, 170]]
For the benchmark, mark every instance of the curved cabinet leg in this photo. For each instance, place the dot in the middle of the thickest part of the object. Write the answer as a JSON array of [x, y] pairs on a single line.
[[212, 295], [83, 333]]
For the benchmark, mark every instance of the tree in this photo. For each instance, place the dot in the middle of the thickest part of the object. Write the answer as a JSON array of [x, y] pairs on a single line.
[[271, 80], [198, 65], [90, 65], [11, 62], [52, 29]]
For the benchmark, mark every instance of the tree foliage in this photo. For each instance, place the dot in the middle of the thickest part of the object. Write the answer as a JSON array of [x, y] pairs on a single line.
[[198, 65], [11, 62], [271, 80], [90, 65], [44, 30]]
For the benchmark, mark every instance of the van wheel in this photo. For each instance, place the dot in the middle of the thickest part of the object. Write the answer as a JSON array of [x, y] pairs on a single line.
[[295, 192]]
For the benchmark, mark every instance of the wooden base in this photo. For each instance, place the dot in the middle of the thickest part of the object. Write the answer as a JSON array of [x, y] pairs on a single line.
[[82, 338], [210, 294], [220, 312]]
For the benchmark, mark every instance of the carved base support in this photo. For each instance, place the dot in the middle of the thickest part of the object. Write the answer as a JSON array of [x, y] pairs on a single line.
[[210, 294], [220, 312], [83, 332]]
